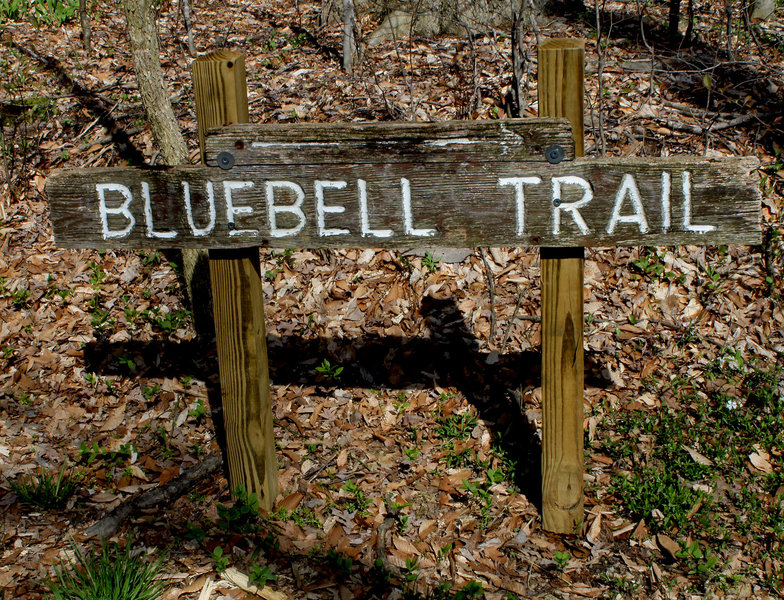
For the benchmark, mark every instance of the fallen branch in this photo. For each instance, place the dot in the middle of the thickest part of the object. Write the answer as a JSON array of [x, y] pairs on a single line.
[[163, 494]]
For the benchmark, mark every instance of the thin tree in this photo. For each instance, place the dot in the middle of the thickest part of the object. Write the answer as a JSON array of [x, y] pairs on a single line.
[[143, 38]]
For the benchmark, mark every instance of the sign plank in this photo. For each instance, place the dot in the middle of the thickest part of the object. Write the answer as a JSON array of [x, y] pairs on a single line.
[[679, 200], [509, 140]]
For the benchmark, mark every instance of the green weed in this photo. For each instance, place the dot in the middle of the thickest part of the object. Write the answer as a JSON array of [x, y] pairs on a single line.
[[430, 262], [261, 574], [46, 489], [329, 371], [242, 516], [455, 426], [698, 561], [359, 502], [221, 561], [198, 411], [168, 322], [53, 12], [562, 559], [114, 573]]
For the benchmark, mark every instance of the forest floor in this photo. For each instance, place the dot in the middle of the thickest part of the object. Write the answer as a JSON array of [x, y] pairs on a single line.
[[415, 469]]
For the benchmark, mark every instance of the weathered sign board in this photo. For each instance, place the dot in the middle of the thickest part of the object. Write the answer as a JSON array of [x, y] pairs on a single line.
[[459, 184]]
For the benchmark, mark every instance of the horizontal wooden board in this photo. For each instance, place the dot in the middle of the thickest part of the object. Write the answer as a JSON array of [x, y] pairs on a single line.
[[510, 140], [635, 201]]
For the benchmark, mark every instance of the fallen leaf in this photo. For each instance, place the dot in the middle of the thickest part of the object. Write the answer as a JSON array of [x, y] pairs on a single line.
[[760, 460], [668, 545], [697, 457]]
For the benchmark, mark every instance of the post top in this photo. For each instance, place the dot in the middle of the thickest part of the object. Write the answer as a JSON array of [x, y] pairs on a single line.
[[219, 56], [562, 44]]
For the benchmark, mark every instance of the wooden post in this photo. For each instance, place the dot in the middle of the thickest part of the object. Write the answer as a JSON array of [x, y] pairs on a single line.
[[221, 99], [561, 63]]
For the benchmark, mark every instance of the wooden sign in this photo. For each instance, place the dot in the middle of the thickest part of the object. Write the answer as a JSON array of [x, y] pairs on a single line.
[[461, 184]]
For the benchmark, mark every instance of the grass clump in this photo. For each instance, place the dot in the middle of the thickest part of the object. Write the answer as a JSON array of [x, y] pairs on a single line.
[[46, 489], [114, 573]]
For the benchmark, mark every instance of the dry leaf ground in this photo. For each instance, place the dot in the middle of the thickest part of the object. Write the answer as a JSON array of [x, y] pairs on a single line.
[[417, 466]]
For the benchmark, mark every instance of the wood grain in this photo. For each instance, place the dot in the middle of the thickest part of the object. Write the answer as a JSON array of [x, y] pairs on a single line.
[[464, 203], [509, 140], [237, 296], [561, 92]]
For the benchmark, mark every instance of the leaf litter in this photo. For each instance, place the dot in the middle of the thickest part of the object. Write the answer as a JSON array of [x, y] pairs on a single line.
[[415, 465]]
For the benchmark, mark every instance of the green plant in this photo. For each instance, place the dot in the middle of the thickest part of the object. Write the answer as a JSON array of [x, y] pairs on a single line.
[[151, 259], [562, 558], [261, 574], [88, 454], [481, 493], [149, 392], [651, 265], [411, 570], [470, 591], [329, 371], [430, 262], [341, 563], [271, 274], [243, 515], [97, 274], [46, 489], [12, 10], [194, 532], [359, 502], [128, 362], [455, 426], [20, 297], [698, 561], [302, 516], [412, 453], [100, 319], [169, 321], [114, 573], [221, 561], [198, 411], [712, 275], [53, 12]]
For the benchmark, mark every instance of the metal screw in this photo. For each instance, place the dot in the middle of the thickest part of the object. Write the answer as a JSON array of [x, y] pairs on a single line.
[[554, 154], [225, 160], [230, 226], [557, 202]]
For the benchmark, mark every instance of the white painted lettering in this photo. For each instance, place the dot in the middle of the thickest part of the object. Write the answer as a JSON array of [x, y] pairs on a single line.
[[519, 184], [295, 208], [628, 188], [322, 209], [686, 186], [665, 201], [151, 233], [571, 207], [105, 211], [186, 190], [408, 219], [365, 218], [231, 210]]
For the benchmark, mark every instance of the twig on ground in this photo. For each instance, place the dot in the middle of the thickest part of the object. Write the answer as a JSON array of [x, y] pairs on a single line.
[[512, 320], [163, 494], [491, 290]]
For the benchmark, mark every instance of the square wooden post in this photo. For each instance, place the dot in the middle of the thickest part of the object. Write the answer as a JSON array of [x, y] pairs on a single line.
[[560, 85], [221, 99]]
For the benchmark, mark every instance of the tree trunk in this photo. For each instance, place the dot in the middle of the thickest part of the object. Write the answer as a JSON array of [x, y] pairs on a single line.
[[349, 40], [674, 19], [85, 21], [145, 52], [143, 37]]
